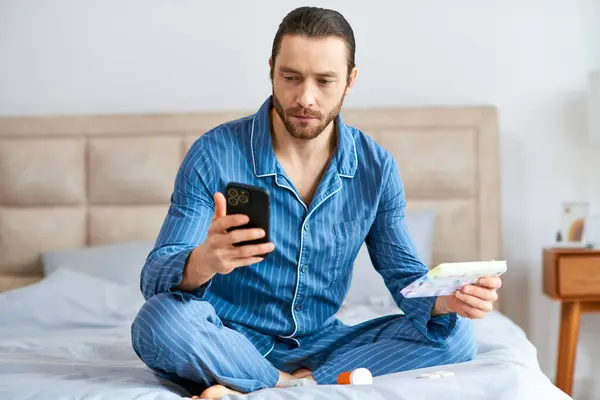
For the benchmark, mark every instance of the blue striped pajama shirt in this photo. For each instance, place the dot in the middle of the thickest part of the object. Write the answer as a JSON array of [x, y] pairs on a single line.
[[239, 329]]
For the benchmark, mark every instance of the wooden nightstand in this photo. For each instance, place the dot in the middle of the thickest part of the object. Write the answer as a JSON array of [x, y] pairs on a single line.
[[572, 276]]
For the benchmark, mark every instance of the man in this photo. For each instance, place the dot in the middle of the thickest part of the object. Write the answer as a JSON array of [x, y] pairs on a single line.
[[231, 321]]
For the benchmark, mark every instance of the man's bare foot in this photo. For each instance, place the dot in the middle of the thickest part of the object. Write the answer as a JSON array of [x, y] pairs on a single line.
[[302, 373], [284, 377], [218, 391], [215, 392], [299, 374]]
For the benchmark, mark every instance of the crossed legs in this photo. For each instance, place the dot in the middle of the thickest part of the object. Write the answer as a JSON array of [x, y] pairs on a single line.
[[186, 339]]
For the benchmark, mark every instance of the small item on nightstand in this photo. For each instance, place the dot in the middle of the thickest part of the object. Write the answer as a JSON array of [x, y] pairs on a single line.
[[558, 237], [572, 223]]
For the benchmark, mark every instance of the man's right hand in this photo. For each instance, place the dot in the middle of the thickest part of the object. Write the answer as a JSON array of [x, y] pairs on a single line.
[[217, 254]]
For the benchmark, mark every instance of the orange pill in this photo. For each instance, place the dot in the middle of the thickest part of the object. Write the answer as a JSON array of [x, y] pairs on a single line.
[[359, 376]]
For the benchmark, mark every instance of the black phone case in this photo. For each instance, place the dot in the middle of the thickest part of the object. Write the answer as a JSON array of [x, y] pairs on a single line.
[[252, 201]]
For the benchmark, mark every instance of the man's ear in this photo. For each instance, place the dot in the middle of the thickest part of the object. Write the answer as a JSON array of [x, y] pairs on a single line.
[[351, 79]]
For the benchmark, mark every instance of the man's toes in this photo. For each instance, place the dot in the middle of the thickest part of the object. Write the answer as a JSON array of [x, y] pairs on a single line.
[[301, 373], [216, 392]]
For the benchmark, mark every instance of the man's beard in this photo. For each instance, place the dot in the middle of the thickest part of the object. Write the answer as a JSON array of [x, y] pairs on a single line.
[[304, 130]]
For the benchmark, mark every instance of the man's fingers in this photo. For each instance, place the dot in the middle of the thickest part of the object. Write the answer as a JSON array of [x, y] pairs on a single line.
[[251, 250], [475, 302], [245, 262], [471, 312], [242, 235], [482, 293], [228, 221], [220, 206], [490, 282]]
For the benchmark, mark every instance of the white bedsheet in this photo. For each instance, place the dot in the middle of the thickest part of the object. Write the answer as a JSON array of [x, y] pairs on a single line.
[[68, 338]]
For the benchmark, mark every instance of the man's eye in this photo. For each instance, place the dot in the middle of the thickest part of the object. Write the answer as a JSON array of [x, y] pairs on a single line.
[[290, 78], [324, 81]]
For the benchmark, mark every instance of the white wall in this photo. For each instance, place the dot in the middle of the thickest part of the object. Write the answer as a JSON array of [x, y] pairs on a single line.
[[529, 58]]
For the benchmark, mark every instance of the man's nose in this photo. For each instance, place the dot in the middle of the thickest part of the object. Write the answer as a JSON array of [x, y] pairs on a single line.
[[306, 97]]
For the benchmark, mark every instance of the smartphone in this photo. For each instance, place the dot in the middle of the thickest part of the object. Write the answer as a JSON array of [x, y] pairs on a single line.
[[252, 201]]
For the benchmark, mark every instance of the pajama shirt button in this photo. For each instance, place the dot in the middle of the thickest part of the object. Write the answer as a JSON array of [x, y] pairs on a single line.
[[298, 307], [304, 268]]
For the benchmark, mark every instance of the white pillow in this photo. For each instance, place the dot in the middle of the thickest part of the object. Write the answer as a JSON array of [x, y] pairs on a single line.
[[120, 263], [67, 300], [367, 287]]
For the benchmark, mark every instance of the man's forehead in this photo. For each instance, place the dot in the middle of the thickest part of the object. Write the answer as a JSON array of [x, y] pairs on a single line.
[[312, 55]]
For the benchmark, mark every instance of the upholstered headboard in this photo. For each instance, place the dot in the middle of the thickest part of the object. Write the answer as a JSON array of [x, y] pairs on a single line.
[[73, 181]]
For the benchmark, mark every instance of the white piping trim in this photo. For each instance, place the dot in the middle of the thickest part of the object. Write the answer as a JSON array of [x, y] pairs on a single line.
[[293, 191], [300, 263], [270, 350], [252, 146]]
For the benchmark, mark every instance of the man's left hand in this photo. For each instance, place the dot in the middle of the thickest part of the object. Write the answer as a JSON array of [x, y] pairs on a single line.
[[472, 301]]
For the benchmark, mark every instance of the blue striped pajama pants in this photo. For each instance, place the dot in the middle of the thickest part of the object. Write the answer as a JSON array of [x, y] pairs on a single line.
[[186, 342]]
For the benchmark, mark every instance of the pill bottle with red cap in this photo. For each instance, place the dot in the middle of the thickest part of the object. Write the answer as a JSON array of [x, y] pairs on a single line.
[[359, 376]]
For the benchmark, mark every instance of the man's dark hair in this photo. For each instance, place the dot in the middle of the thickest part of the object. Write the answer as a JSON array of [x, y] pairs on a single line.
[[315, 22]]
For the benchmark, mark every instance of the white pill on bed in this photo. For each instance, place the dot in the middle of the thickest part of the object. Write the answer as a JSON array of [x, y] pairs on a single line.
[[429, 375], [445, 373]]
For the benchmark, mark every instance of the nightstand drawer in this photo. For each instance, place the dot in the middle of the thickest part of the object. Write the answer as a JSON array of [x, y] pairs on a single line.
[[579, 275]]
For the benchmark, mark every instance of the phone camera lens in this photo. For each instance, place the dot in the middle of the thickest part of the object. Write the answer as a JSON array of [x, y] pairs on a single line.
[[232, 193], [243, 199], [233, 201]]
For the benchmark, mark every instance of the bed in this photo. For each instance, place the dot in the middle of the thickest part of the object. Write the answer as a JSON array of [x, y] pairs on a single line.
[[83, 197]]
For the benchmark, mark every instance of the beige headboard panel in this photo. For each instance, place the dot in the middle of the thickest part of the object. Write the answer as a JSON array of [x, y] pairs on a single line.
[[67, 182]]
